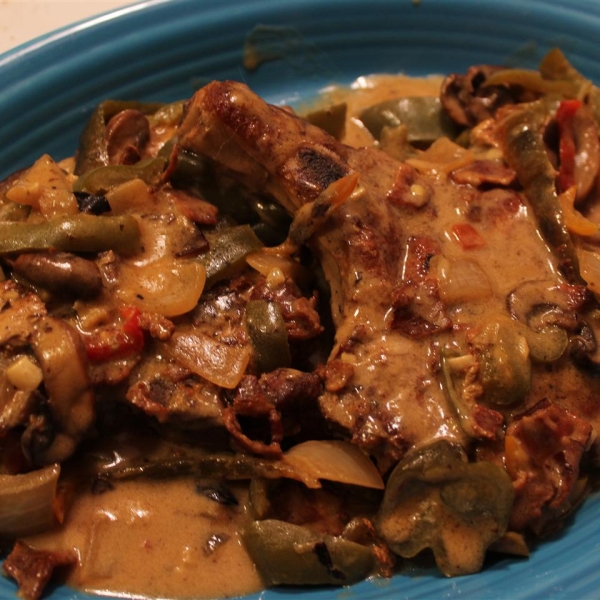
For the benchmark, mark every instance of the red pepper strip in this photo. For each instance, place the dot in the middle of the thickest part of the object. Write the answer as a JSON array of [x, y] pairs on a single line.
[[117, 340], [565, 115], [467, 236]]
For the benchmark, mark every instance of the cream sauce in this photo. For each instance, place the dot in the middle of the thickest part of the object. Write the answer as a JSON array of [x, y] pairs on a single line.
[[163, 539], [159, 539]]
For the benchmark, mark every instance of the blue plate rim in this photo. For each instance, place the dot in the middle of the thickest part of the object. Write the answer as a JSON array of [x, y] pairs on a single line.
[[33, 49]]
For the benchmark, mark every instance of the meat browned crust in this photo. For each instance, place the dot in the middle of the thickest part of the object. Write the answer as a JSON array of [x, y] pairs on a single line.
[[360, 248]]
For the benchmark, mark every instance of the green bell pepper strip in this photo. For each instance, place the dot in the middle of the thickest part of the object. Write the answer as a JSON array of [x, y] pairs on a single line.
[[194, 173], [232, 467], [423, 117], [268, 335], [80, 233], [98, 181], [290, 554], [93, 151], [524, 151], [228, 250]]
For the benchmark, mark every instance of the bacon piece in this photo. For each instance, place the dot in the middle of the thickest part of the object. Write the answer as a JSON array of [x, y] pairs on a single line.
[[543, 451], [194, 208], [418, 310], [264, 409], [337, 375], [32, 569], [252, 405], [299, 313], [480, 172]]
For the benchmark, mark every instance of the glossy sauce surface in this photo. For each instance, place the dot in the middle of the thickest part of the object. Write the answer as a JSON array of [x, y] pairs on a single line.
[[164, 539]]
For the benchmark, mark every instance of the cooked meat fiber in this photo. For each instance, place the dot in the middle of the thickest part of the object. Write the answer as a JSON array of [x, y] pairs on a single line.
[[390, 401]]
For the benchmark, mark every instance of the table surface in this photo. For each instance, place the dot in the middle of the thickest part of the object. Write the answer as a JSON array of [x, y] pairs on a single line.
[[24, 20]]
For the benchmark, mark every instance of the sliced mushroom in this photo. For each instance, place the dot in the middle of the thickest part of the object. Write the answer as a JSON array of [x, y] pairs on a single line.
[[436, 499], [584, 350], [541, 302], [126, 135], [549, 311], [62, 273]]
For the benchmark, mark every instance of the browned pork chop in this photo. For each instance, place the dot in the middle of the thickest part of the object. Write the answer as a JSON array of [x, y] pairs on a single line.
[[386, 247], [388, 396]]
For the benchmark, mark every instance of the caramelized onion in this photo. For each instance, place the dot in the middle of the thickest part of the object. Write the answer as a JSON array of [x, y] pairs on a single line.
[[443, 156], [167, 286], [589, 264], [574, 220], [533, 81], [26, 502], [461, 280], [217, 362], [61, 356], [335, 461], [269, 264]]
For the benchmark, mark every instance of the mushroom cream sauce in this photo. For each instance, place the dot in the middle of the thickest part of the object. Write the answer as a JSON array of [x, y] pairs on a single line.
[[162, 538]]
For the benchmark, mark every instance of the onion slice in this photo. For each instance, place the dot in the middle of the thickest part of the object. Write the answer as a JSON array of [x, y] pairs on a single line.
[[589, 264], [335, 461], [168, 286], [461, 280], [26, 502], [215, 361]]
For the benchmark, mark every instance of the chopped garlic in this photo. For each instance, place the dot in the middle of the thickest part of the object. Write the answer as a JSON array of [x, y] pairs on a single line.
[[24, 374]]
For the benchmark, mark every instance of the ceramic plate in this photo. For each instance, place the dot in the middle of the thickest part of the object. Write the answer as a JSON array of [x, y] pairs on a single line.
[[164, 49]]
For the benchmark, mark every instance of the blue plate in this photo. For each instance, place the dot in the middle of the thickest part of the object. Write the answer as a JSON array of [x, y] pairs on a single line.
[[164, 49]]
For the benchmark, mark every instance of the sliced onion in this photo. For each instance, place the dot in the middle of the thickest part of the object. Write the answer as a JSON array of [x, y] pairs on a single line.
[[589, 266], [26, 502], [267, 263], [443, 156], [461, 280], [216, 362], [574, 220], [168, 286], [335, 461], [534, 81], [61, 356]]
